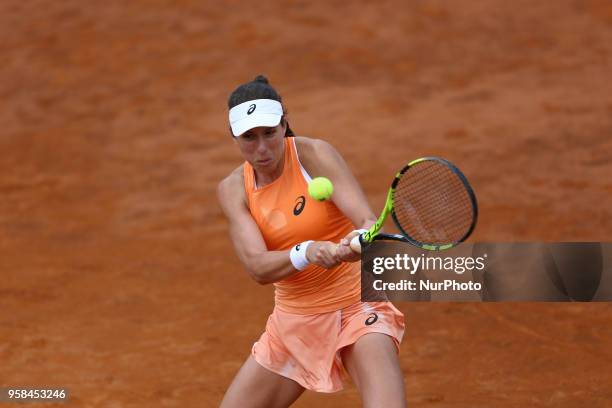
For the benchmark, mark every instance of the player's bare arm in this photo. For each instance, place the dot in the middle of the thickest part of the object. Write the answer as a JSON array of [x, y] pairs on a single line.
[[262, 265]]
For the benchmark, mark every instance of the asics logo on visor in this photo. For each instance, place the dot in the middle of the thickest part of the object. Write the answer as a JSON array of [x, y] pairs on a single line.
[[251, 109]]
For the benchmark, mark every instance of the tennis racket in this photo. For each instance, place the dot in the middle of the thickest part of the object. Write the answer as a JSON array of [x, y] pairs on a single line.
[[432, 205]]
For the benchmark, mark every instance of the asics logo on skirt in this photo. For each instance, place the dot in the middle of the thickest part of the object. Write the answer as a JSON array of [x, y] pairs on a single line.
[[372, 318]]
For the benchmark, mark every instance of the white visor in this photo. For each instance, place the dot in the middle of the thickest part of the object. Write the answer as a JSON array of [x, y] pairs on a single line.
[[255, 113]]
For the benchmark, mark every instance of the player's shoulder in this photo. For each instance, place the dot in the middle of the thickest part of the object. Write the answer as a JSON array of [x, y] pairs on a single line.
[[311, 147], [318, 156], [231, 188]]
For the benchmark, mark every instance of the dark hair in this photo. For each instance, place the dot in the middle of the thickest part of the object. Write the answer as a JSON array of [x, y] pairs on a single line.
[[259, 88]]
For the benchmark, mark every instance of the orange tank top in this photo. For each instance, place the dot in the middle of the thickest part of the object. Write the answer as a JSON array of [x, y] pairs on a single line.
[[287, 215]]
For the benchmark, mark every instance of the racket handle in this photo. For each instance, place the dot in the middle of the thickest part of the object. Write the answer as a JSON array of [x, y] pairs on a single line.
[[355, 244]]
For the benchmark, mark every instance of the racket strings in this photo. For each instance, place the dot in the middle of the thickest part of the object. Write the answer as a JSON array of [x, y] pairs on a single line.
[[432, 205]]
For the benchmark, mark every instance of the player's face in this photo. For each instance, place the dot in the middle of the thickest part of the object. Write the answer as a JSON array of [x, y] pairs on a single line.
[[263, 146]]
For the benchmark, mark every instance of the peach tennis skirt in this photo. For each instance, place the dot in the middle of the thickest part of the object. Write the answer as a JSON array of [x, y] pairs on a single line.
[[306, 348]]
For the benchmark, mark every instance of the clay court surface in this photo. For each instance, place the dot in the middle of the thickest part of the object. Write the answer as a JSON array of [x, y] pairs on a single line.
[[118, 278]]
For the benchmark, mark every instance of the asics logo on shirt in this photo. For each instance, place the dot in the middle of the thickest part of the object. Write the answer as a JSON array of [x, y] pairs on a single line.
[[299, 206]]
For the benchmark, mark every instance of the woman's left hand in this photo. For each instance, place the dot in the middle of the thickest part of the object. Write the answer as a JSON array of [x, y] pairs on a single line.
[[344, 251]]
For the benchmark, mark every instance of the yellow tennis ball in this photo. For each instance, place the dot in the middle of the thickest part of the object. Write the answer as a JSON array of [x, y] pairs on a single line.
[[320, 188]]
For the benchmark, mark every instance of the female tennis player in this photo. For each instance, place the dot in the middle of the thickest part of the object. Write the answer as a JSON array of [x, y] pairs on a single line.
[[319, 326]]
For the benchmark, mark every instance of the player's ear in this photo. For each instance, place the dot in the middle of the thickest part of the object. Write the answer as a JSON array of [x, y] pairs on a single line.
[[287, 130], [232, 136]]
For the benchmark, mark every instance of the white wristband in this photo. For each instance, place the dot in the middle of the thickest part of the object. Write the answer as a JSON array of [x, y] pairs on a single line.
[[361, 231], [298, 256]]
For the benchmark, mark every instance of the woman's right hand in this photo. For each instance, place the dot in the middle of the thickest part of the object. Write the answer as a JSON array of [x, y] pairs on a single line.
[[322, 253]]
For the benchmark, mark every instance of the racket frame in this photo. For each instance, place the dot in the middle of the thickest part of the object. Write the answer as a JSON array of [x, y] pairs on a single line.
[[374, 234]]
